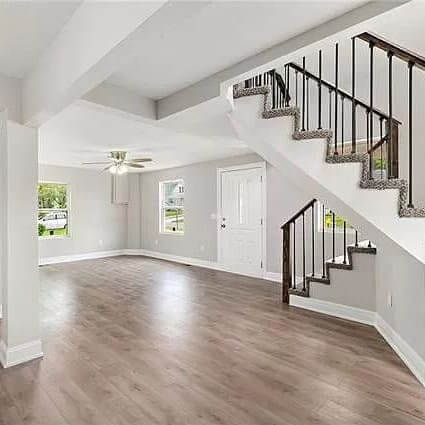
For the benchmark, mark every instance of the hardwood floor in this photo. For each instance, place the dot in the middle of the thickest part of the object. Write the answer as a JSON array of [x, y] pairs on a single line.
[[132, 340]]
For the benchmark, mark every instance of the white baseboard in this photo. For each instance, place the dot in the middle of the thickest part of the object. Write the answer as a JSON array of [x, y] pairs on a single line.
[[20, 354], [407, 354], [274, 277], [332, 309], [79, 257], [410, 357]]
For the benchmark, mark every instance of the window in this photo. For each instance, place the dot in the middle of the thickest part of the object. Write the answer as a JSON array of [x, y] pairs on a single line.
[[53, 212], [171, 195], [339, 221]]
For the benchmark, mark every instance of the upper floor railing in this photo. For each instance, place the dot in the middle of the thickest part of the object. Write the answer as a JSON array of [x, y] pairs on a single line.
[[357, 123]]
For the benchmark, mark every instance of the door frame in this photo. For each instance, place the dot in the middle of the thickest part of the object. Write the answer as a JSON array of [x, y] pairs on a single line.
[[261, 165]]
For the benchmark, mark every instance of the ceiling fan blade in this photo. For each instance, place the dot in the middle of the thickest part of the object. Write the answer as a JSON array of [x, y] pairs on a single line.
[[96, 163], [108, 167], [134, 165], [141, 160]]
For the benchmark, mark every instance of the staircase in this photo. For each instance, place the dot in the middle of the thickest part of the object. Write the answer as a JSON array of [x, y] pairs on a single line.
[[285, 116], [315, 248]]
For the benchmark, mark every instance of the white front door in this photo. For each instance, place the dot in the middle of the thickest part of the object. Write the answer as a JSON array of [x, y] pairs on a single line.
[[241, 220]]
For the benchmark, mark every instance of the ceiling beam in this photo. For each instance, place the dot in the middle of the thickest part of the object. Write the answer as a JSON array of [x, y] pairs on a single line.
[[98, 40], [120, 100], [210, 87]]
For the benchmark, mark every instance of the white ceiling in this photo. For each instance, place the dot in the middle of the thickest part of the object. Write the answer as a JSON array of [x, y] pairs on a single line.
[[26, 30], [83, 133], [222, 34]]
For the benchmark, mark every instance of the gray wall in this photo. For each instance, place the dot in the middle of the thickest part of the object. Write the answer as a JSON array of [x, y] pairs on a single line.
[[200, 238], [95, 223], [401, 275]]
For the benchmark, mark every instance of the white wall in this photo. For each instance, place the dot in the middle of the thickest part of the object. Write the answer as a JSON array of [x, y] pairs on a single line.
[[19, 327], [95, 223], [402, 276], [10, 97]]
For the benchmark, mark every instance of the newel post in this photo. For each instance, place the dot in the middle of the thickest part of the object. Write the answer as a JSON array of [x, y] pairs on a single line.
[[286, 263]]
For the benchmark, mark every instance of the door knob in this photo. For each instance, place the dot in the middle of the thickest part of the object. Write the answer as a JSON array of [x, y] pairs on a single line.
[[223, 226]]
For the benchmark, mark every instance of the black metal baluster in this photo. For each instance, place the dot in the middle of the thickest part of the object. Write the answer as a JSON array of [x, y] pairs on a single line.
[[411, 65], [371, 46], [333, 237], [294, 263], [357, 239], [353, 92], [342, 125], [287, 86], [273, 90], [312, 240], [308, 103], [345, 243], [369, 245], [380, 138], [303, 104], [330, 109], [336, 101], [390, 113], [323, 241], [304, 287], [296, 89], [319, 114], [367, 132]]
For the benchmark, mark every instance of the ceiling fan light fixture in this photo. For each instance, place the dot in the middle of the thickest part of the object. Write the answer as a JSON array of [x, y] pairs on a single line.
[[113, 169], [122, 169]]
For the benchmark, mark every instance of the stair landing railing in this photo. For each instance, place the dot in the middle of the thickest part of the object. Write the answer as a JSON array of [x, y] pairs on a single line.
[[346, 113], [310, 238]]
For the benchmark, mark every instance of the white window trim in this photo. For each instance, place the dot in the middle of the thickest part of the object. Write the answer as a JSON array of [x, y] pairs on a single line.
[[68, 202], [161, 231], [349, 230]]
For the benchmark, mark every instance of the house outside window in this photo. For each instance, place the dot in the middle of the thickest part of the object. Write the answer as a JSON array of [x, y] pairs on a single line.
[[53, 210], [171, 214]]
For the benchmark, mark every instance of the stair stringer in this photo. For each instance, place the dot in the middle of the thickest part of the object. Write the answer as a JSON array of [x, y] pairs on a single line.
[[373, 211], [355, 288]]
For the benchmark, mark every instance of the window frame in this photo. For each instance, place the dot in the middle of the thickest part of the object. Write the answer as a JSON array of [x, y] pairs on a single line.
[[67, 210], [349, 228], [162, 230]]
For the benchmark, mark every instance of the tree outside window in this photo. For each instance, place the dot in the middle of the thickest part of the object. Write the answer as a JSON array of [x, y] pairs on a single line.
[[53, 210]]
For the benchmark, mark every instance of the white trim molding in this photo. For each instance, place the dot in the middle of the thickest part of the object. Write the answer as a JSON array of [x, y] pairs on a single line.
[[410, 357], [79, 257], [20, 354], [332, 309]]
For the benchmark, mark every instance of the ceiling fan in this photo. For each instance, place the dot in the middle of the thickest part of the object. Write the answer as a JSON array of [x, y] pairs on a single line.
[[118, 163]]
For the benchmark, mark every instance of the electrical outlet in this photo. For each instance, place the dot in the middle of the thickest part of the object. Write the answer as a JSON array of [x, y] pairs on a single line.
[[390, 299], [156, 241], [202, 248], [100, 242]]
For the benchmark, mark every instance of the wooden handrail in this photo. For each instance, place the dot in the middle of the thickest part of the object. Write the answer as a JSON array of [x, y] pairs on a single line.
[[398, 51], [341, 92], [299, 213]]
